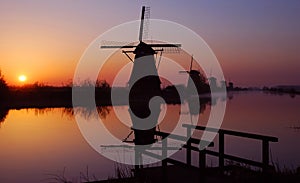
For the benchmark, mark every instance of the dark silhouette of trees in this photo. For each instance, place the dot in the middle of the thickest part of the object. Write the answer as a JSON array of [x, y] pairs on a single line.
[[3, 96], [3, 114], [3, 84], [3, 88], [103, 85]]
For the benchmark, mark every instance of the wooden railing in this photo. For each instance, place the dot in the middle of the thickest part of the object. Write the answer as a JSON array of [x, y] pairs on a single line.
[[146, 150], [192, 144], [221, 154], [188, 140]]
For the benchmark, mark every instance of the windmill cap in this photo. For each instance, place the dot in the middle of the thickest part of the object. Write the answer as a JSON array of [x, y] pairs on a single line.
[[143, 49]]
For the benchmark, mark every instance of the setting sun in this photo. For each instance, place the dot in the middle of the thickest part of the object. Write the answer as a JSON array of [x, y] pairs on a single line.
[[22, 78]]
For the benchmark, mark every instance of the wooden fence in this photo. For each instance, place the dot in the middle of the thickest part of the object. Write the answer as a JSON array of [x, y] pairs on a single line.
[[190, 143]]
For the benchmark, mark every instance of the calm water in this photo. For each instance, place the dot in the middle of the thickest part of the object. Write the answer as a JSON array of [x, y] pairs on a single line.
[[38, 144]]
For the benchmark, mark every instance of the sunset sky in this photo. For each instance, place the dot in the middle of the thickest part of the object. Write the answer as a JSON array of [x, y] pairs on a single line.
[[256, 42]]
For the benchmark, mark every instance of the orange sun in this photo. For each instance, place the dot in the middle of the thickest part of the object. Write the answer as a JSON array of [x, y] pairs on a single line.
[[22, 78]]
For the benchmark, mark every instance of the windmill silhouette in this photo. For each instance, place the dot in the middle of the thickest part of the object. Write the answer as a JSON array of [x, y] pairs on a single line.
[[144, 82], [196, 82]]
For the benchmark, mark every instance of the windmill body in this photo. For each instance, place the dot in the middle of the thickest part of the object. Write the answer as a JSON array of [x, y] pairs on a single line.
[[144, 84], [144, 78]]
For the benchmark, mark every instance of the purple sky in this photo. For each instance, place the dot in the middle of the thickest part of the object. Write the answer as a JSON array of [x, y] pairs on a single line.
[[256, 42]]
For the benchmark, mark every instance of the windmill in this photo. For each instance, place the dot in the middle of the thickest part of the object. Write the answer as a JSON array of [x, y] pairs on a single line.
[[144, 82], [144, 61], [196, 79]]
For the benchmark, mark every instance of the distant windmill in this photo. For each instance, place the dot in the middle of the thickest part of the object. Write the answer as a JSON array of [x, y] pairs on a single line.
[[191, 68], [144, 80], [195, 79]]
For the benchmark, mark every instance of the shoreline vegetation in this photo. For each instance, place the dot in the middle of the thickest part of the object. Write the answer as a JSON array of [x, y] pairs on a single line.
[[43, 96], [231, 173], [39, 95]]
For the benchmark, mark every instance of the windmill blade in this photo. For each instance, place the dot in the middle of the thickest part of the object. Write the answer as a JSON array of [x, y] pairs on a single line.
[[116, 44], [184, 72], [142, 24], [164, 45], [191, 66], [146, 24], [170, 50], [166, 48]]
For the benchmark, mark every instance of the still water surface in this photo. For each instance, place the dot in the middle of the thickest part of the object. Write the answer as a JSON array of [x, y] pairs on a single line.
[[38, 144]]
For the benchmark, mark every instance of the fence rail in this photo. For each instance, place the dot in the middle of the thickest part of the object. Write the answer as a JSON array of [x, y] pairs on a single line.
[[190, 143], [221, 154]]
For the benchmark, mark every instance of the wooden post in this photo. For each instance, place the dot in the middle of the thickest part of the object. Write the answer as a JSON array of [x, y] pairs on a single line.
[[137, 162], [164, 159], [202, 159], [164, 152], [202, 165], [265, 154], [189, 144], [221, 149]]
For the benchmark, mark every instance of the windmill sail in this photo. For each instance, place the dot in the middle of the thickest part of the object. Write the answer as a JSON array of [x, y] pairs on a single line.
[[142, 24], [116, 44]]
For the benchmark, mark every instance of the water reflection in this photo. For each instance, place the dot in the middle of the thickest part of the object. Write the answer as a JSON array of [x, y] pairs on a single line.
[[88, 112], [194, 108], [53, 134], [295, 127]]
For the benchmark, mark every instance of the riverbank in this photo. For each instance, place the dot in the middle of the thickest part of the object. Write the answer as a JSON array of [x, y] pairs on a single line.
[[179, 174], [49, 96], [44, 97], [36, 96]]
